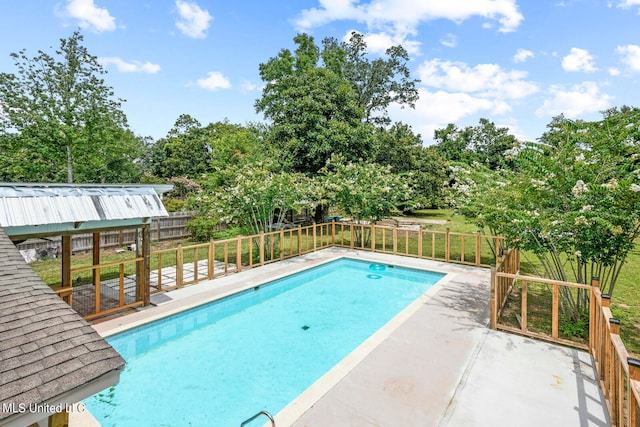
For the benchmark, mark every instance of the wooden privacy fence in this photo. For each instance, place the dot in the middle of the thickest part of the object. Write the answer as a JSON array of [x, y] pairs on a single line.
[[184, 265], [166, 228], [618, 373]]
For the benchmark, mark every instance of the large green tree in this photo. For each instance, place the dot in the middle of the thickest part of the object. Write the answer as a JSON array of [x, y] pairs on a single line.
[[314, 111], [485, 143], [401, 149], [193, 150], [66, 123], [377, 82]]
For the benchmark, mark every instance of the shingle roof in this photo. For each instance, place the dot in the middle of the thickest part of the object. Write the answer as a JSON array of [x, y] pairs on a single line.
[[46, 348]]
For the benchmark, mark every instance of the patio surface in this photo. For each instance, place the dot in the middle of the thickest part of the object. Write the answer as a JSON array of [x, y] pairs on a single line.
[[435, 364]]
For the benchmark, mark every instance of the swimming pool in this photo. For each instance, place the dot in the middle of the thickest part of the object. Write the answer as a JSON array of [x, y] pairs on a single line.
[[257, 350]]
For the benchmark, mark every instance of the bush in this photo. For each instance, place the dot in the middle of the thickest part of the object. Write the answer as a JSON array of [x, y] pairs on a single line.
[[174, 205], [202, 228]]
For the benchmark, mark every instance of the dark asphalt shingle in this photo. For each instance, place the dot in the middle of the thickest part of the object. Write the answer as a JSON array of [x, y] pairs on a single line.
[[46, 348]]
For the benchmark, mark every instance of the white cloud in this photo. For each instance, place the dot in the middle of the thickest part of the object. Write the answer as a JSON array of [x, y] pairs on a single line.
[[449, 40], [436, 109], [380, 42], [130, 67], [214, 81], [485, 80], [574, 101], [192, 20], [392, 22], [630, 55], [445, 107], [614, 71], [90, 16], [629, 3], [405, 15], [578, 60], [452, 91], [522, 55], [248, 86]]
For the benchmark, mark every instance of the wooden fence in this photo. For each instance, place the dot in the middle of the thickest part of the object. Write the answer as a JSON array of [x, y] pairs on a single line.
[[184, 265], [172, 227], [618, 373]]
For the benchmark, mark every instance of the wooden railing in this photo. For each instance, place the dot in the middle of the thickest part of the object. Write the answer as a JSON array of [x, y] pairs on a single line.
[[104, 288], [460, 248], [184, 265], [618, 373]]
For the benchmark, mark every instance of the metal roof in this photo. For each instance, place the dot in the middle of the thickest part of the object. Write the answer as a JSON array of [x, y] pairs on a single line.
[[55, 209]]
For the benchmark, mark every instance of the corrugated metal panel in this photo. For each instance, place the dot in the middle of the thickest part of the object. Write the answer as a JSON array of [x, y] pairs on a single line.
[[21, 206]]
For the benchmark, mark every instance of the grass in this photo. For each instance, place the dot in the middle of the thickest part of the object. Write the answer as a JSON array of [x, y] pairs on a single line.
[[625, 302]]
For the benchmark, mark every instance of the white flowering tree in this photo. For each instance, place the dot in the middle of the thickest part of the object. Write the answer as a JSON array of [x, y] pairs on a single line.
[[256, 197], [365, 192], [573, 201]]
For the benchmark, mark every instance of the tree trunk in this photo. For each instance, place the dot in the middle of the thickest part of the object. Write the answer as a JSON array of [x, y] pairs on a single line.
[[69, 165], [321, 213]]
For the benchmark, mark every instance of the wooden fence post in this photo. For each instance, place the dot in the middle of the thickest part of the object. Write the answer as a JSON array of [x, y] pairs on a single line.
[[634, 375], [373, 237], [143, 249], [394, 235], [420, 242], [239, 253], [351, 236], [66, 267], [554, 310], [281, 244], [211, 261], [447, 245], [179, 265], [262, 247], [478, 254], [493, 305], [314, 237], [593, 315]]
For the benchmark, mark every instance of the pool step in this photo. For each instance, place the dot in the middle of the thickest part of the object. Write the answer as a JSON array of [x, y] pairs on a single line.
[[265, 413]]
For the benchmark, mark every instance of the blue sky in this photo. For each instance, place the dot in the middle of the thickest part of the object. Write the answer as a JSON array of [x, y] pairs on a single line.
[[517, 63]]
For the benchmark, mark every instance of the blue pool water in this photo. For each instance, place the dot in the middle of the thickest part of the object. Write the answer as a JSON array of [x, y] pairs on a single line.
[[257, 350]]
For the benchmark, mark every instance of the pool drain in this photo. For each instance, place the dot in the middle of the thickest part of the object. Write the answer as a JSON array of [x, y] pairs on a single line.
[[305, 327], [377, 267]]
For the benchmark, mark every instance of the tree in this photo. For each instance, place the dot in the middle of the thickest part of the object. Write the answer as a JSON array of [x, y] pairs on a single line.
[[402, 150], [256, 198], [486, 144], [191, 150], [314, 115], [67, 123], [573, 201], [313, 110], [185, 151], [377, 83], [366, 191]]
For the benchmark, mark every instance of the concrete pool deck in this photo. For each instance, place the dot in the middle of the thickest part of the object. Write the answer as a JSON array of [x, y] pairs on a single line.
[[435, 364]]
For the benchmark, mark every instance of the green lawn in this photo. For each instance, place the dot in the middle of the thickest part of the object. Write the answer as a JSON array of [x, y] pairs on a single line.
[[625, 302]]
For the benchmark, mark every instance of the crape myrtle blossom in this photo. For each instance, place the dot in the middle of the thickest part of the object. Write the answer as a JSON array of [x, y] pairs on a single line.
[[583, 181], [580, 188]]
